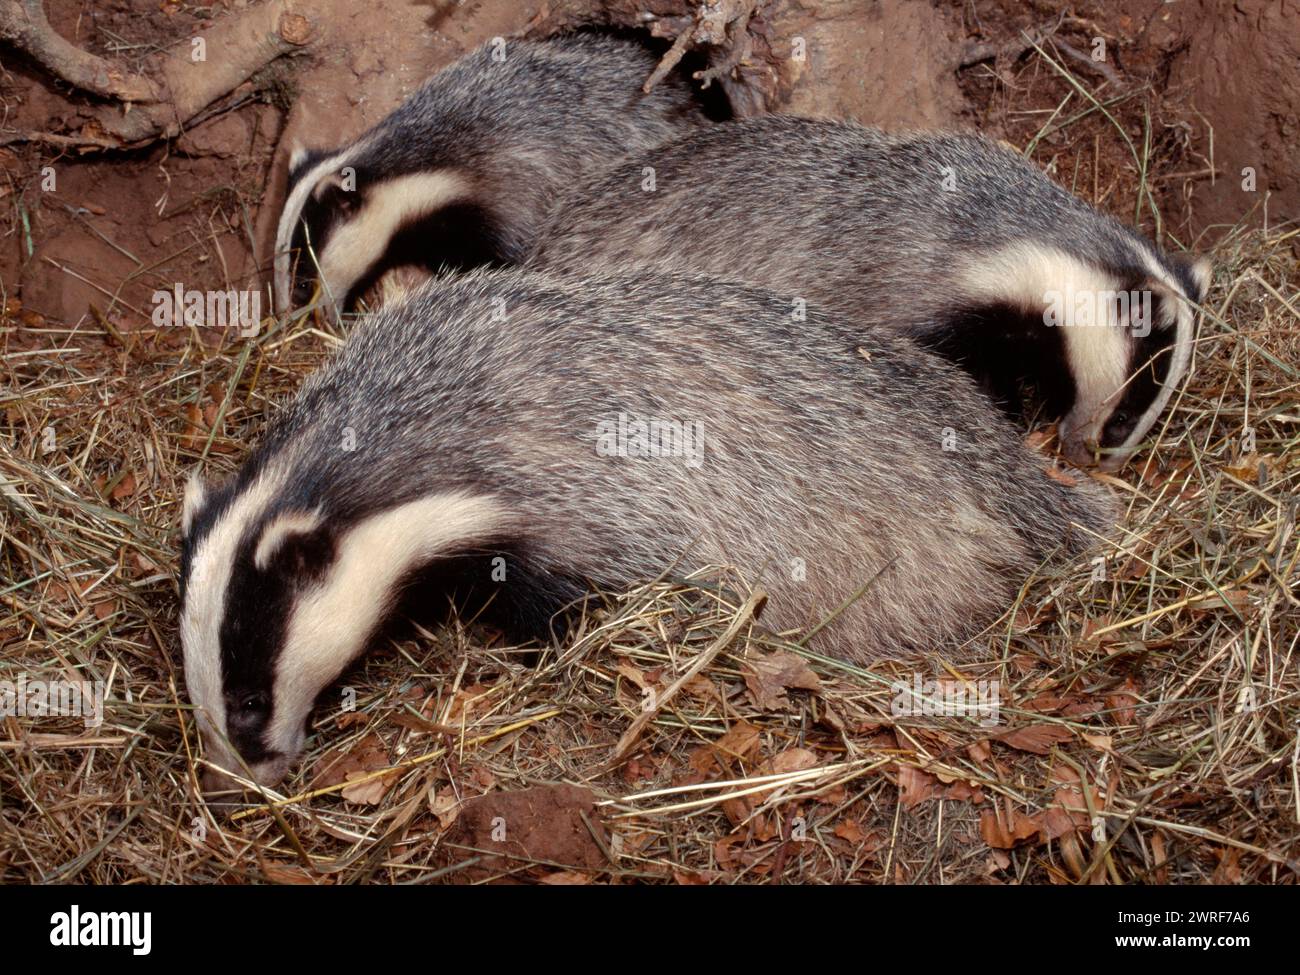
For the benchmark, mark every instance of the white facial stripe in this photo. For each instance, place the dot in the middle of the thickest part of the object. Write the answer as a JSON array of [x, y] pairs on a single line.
[[297, 155], [359, 243], [276, 531], [292, 213], [332, 621], [1022, 275], [205, 604]]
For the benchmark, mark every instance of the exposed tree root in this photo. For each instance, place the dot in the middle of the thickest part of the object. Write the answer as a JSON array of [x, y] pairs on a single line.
[[190, 76], [23, 24], [718, 23], [726, 29]]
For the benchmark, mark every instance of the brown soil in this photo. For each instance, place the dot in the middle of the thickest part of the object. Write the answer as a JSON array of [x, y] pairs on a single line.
[[113, 229], [1203, 90]]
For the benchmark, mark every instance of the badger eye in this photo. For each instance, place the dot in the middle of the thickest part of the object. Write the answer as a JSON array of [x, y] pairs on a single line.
[[252, 702], [1120, 418]]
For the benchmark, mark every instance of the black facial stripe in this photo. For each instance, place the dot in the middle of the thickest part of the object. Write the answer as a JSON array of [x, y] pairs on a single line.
[[455, 238], [254, 626], [321, 216], [1151, 356]]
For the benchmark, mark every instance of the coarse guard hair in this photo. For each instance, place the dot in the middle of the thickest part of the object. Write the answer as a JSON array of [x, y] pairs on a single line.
[[951, 237], [597, 431], [463, 172]]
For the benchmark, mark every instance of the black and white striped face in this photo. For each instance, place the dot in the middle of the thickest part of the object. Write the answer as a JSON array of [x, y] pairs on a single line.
[[1123, 339], [277, 601], [346, 221]]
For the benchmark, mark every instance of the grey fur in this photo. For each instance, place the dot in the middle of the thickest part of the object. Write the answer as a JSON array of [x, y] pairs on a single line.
[[518, 129], [858, 221], [822, 448]]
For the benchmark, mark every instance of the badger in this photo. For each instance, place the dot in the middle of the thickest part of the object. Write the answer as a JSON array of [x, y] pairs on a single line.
[[462, 173], [959, 242], [512, 440]]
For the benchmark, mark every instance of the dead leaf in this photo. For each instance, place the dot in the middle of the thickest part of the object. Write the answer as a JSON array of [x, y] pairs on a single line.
[[335, 766], [701, 687], [1229, 869], [769, 676], [567, 878], [1061, 476], [369, 788], [739, 742], [997, 861], [636, 676], [124, 488], [463, 703], [445, 805], [916, 786], [1036, 738], [1001, 835], [1161, 857], [1102, 743], [1122, 703], [850, 830], [290, 873]]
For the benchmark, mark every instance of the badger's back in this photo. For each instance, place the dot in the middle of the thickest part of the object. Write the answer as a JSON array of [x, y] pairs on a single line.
[[829, 458], [948, 237], [547, 110], [835, 212]]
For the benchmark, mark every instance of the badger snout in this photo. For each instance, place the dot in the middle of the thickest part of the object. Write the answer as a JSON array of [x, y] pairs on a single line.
[[1078, 439], [213, 781]]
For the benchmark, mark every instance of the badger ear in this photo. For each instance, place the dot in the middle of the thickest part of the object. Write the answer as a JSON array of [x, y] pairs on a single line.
[[1194, 274], [1202, 271], [196, 498], [297, 155], [294, 542]]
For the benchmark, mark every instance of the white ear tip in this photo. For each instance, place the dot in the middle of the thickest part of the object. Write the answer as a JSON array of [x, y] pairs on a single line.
[[196, 495], [296, 155], [278, 530], [1203, 273]]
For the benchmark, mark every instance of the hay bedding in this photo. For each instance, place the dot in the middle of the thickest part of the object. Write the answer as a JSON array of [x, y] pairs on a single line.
[[1148, 707]]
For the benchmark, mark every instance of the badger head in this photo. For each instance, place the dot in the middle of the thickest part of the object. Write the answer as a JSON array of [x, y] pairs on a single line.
[[1123, 336], [353, 214], [1126, 371], [278, 598], [356, 213]]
